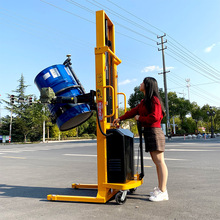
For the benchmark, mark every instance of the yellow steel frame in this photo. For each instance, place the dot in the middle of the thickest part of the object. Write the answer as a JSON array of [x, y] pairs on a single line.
[[121, 93], [105, 190]]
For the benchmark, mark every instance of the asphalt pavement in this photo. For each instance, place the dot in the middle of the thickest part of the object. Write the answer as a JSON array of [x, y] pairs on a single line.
[[29, 172]]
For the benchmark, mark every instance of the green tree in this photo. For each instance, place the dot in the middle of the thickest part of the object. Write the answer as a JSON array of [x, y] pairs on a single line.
[[173, 107], [217, 120], [4, 130], [69, 133], [196, 114], [55, 132], [27, 119], [91, 129], [205, 117], [173, 104], [88, 127], [189, 125], [136, 97], [184, 107]]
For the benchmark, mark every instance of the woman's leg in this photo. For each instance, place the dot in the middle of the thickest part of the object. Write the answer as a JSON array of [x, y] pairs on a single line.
[[162, 172]]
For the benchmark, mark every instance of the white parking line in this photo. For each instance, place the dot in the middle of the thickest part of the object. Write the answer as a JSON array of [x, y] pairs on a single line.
[[22, 158], [80, 155], [187, 150], [149, 158], [92, 155]]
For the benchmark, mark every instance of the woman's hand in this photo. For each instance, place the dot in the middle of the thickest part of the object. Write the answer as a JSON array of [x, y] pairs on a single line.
[[136, 117], [116, 121]]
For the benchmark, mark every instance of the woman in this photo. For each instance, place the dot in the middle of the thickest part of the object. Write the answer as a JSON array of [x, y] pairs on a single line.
[[149, 113]]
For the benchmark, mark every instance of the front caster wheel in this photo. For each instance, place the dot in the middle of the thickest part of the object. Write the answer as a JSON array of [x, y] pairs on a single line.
[[120, 197]]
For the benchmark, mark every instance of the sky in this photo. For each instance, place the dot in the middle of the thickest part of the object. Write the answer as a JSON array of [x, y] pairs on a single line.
[[36, 34]]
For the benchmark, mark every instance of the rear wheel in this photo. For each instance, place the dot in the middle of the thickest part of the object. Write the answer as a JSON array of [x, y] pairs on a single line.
[[120, 197]]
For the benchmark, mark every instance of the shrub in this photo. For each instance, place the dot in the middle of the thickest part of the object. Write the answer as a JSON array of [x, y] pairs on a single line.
[[180, 131], [93, 136], [85, 135]]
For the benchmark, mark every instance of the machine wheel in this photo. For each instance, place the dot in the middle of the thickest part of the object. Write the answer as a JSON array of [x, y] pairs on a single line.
[[120, 197], [132, 190]]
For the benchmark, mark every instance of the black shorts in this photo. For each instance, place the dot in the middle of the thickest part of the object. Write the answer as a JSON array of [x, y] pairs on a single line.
[[154, 139]]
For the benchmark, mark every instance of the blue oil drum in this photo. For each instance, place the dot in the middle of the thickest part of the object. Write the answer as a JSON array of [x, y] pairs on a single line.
[[61, 80]]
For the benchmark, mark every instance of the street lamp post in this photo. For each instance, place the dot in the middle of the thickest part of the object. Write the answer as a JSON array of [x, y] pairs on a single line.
[[44, 124], [211, 113], [12, 100]]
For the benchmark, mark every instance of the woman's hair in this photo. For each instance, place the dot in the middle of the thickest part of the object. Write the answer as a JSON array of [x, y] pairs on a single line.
[[151, 89]]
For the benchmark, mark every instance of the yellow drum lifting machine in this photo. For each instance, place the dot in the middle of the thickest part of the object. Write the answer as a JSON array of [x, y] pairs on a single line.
[[115, 173]]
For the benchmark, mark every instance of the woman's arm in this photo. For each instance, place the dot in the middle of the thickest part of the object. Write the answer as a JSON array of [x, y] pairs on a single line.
[[129, 114]]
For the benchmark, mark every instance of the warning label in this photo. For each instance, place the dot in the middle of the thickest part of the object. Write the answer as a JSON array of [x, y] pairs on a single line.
[[99, 94], [100, 110], [99, 79]]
